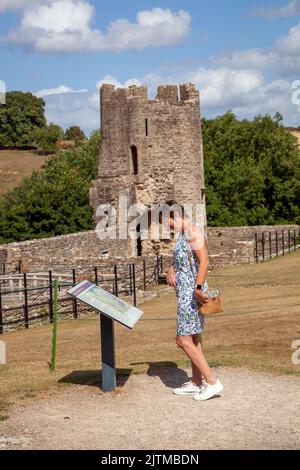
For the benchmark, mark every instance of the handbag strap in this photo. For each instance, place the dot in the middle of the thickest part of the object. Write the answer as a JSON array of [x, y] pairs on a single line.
[[190, 255]]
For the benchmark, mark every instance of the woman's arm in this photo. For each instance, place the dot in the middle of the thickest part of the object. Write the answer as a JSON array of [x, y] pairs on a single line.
[[197, 241], [171, 277]]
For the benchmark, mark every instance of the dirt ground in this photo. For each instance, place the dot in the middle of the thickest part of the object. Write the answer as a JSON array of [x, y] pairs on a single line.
[[256, 411]]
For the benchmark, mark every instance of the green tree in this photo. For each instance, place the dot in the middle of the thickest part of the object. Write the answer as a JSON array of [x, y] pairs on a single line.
[[76, 134], [55, 200], [22, 113], [252, 171], [45, 138]]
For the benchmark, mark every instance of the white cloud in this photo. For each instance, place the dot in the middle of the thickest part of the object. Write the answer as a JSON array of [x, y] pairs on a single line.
[[15, 4], [57, 91], [246, 92], [66, 26], [283, 58], [110, 80], [291, 8]]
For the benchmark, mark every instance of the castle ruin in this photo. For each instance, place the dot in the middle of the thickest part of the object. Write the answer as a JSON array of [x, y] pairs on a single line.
[[151, 152]]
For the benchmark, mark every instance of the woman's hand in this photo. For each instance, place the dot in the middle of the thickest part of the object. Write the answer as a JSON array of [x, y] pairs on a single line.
[[201, 296], [171, 277]]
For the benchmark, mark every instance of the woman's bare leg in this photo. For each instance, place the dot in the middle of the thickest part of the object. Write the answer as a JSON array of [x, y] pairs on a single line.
[[195, 354], [197, 375]]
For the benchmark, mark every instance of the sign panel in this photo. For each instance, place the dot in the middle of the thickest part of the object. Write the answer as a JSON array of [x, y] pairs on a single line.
[[111, 306]]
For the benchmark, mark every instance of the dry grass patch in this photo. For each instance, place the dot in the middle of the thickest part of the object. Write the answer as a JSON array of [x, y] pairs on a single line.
[[260, 324], [15, 165]]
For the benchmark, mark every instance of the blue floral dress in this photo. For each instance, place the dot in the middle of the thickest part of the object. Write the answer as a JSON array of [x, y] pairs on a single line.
[[189, 322]]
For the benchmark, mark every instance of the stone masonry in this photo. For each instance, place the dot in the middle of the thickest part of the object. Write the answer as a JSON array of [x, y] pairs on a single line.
[[228, 246], [151, 152]]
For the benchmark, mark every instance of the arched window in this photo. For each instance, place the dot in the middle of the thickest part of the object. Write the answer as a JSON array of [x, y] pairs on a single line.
[[134, 158]]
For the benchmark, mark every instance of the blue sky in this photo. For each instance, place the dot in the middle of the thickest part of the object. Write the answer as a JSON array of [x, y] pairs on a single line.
[[242, 55]]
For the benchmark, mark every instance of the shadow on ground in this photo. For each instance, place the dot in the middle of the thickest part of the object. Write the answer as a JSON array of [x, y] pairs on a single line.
[[155, 369], [162, 370], [93, 377]]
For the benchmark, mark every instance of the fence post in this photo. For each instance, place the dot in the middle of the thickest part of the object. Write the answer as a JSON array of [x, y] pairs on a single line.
[[157, 268], [130, 279], [283, 244], [263, 245], [256, 248], [270, 240], [50, 297], [116, 280], [289, 241], [134, 285], [96, 276], [295, 244], [26, 316], [75, 311], [1, 315], [144, 274], [277, 245]]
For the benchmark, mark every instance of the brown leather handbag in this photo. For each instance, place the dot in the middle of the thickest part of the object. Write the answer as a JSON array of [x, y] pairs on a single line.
[[215, 302]]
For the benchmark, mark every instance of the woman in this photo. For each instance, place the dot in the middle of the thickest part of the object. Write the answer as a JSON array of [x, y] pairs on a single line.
[[188, 274]]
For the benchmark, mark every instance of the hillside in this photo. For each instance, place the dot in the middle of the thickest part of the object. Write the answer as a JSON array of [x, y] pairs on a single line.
[[297, 135], [15, 165]]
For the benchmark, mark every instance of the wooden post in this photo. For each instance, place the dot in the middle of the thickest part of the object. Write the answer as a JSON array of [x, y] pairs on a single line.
[[116, 281], [130, 280], [145, 274], [263, 245], [50, 297], [1, 314], [289, 238], [26, 316], [134, 285], [283, 244], [295, 244], [157, 268], [270, 240], [75, 310], [54, 337], [277, 244], [96, 276], [256, 248]]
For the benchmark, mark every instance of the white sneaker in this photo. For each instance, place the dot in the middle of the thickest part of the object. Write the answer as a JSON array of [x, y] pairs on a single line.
[[187, 388], [209, 391]]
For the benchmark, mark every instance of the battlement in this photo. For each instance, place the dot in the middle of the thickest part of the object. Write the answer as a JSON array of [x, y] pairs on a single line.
[[173, 94]]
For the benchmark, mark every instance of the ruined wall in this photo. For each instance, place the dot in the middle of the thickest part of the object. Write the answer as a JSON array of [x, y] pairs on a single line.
[[84, 250], [151, 149]]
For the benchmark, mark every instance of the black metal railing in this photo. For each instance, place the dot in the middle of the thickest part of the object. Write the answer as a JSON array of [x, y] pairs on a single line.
[[275, 243], [28, 297]]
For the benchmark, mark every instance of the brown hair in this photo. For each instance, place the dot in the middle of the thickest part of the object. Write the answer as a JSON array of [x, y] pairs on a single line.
[[176, 209]]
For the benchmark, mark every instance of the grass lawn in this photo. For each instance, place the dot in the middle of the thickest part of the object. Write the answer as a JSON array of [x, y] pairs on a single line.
[[261, 322]]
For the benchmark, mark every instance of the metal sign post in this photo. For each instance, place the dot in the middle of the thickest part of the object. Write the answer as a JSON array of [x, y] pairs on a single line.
[[111, 309], [109, 376]]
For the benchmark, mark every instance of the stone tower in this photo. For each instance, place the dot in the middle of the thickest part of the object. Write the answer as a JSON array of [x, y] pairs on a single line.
[[151, 151]]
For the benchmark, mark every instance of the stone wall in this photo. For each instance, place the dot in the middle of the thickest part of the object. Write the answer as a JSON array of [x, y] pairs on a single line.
[[84, 250], [237, 245]]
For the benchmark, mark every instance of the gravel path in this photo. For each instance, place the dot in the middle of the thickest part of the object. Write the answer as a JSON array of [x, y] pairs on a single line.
[[256, 411]]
